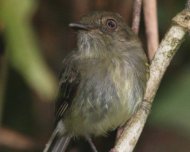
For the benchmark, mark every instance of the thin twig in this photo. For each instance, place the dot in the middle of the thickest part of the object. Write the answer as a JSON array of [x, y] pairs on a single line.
[[150, 16], [165, 53], [136, 15]]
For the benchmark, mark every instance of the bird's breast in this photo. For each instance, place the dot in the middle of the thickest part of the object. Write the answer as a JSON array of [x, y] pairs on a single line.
[[104, 99]]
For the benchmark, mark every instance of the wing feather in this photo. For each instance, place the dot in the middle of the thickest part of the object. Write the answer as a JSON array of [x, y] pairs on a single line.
[[69, 81]]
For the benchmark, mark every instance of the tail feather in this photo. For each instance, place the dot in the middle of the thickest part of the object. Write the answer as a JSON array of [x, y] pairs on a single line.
[[61, 144], [57, 142]]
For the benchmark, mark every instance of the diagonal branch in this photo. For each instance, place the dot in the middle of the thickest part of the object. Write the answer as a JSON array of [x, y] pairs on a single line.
[[166, 51]]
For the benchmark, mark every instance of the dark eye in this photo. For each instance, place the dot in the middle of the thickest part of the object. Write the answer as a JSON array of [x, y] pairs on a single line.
[[111, 24]]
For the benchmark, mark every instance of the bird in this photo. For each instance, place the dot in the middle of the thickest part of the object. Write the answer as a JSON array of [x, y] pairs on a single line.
[[102, 82]]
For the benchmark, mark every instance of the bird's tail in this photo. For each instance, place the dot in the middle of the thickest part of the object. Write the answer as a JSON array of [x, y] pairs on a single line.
[[57, 142]]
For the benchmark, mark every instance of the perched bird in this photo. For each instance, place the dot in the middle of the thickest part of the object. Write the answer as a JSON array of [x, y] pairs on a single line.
[[102, 82]]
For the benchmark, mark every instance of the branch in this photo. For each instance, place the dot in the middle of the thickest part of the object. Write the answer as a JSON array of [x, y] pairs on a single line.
[[167, 49], [136, 15], [150, 16]]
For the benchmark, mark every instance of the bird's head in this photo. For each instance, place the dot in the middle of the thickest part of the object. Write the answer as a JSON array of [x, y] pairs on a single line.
[[100, 33]]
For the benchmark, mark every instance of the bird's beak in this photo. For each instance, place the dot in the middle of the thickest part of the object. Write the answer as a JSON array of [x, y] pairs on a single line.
[[80, 26]]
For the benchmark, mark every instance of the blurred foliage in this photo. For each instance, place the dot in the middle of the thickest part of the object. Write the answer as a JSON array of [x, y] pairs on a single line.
[[28, 25], [22, 52]]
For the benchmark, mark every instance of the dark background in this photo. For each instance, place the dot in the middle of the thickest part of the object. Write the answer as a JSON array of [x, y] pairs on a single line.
[[26, 113]]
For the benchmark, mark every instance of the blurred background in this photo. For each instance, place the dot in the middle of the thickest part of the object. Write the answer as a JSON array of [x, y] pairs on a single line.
[[35, 37]]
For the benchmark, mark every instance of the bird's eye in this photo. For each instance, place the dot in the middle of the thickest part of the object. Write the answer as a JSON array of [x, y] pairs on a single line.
[[111, 24]]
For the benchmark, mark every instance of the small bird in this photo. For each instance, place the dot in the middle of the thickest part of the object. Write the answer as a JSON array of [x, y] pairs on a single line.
[[102, 82]]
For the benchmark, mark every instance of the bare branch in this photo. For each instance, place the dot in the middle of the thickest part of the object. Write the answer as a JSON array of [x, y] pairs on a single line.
[[150, 16], [136, 15], [167, 49]]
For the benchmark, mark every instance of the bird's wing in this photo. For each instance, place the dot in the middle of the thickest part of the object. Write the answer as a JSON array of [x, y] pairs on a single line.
[[69, 81]]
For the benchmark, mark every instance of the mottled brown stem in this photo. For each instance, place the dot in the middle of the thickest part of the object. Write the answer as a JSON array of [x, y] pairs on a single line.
[[136, 15], [151, 24]]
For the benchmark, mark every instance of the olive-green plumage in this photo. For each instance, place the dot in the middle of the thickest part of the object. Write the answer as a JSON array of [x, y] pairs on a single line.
[[103, 80]]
